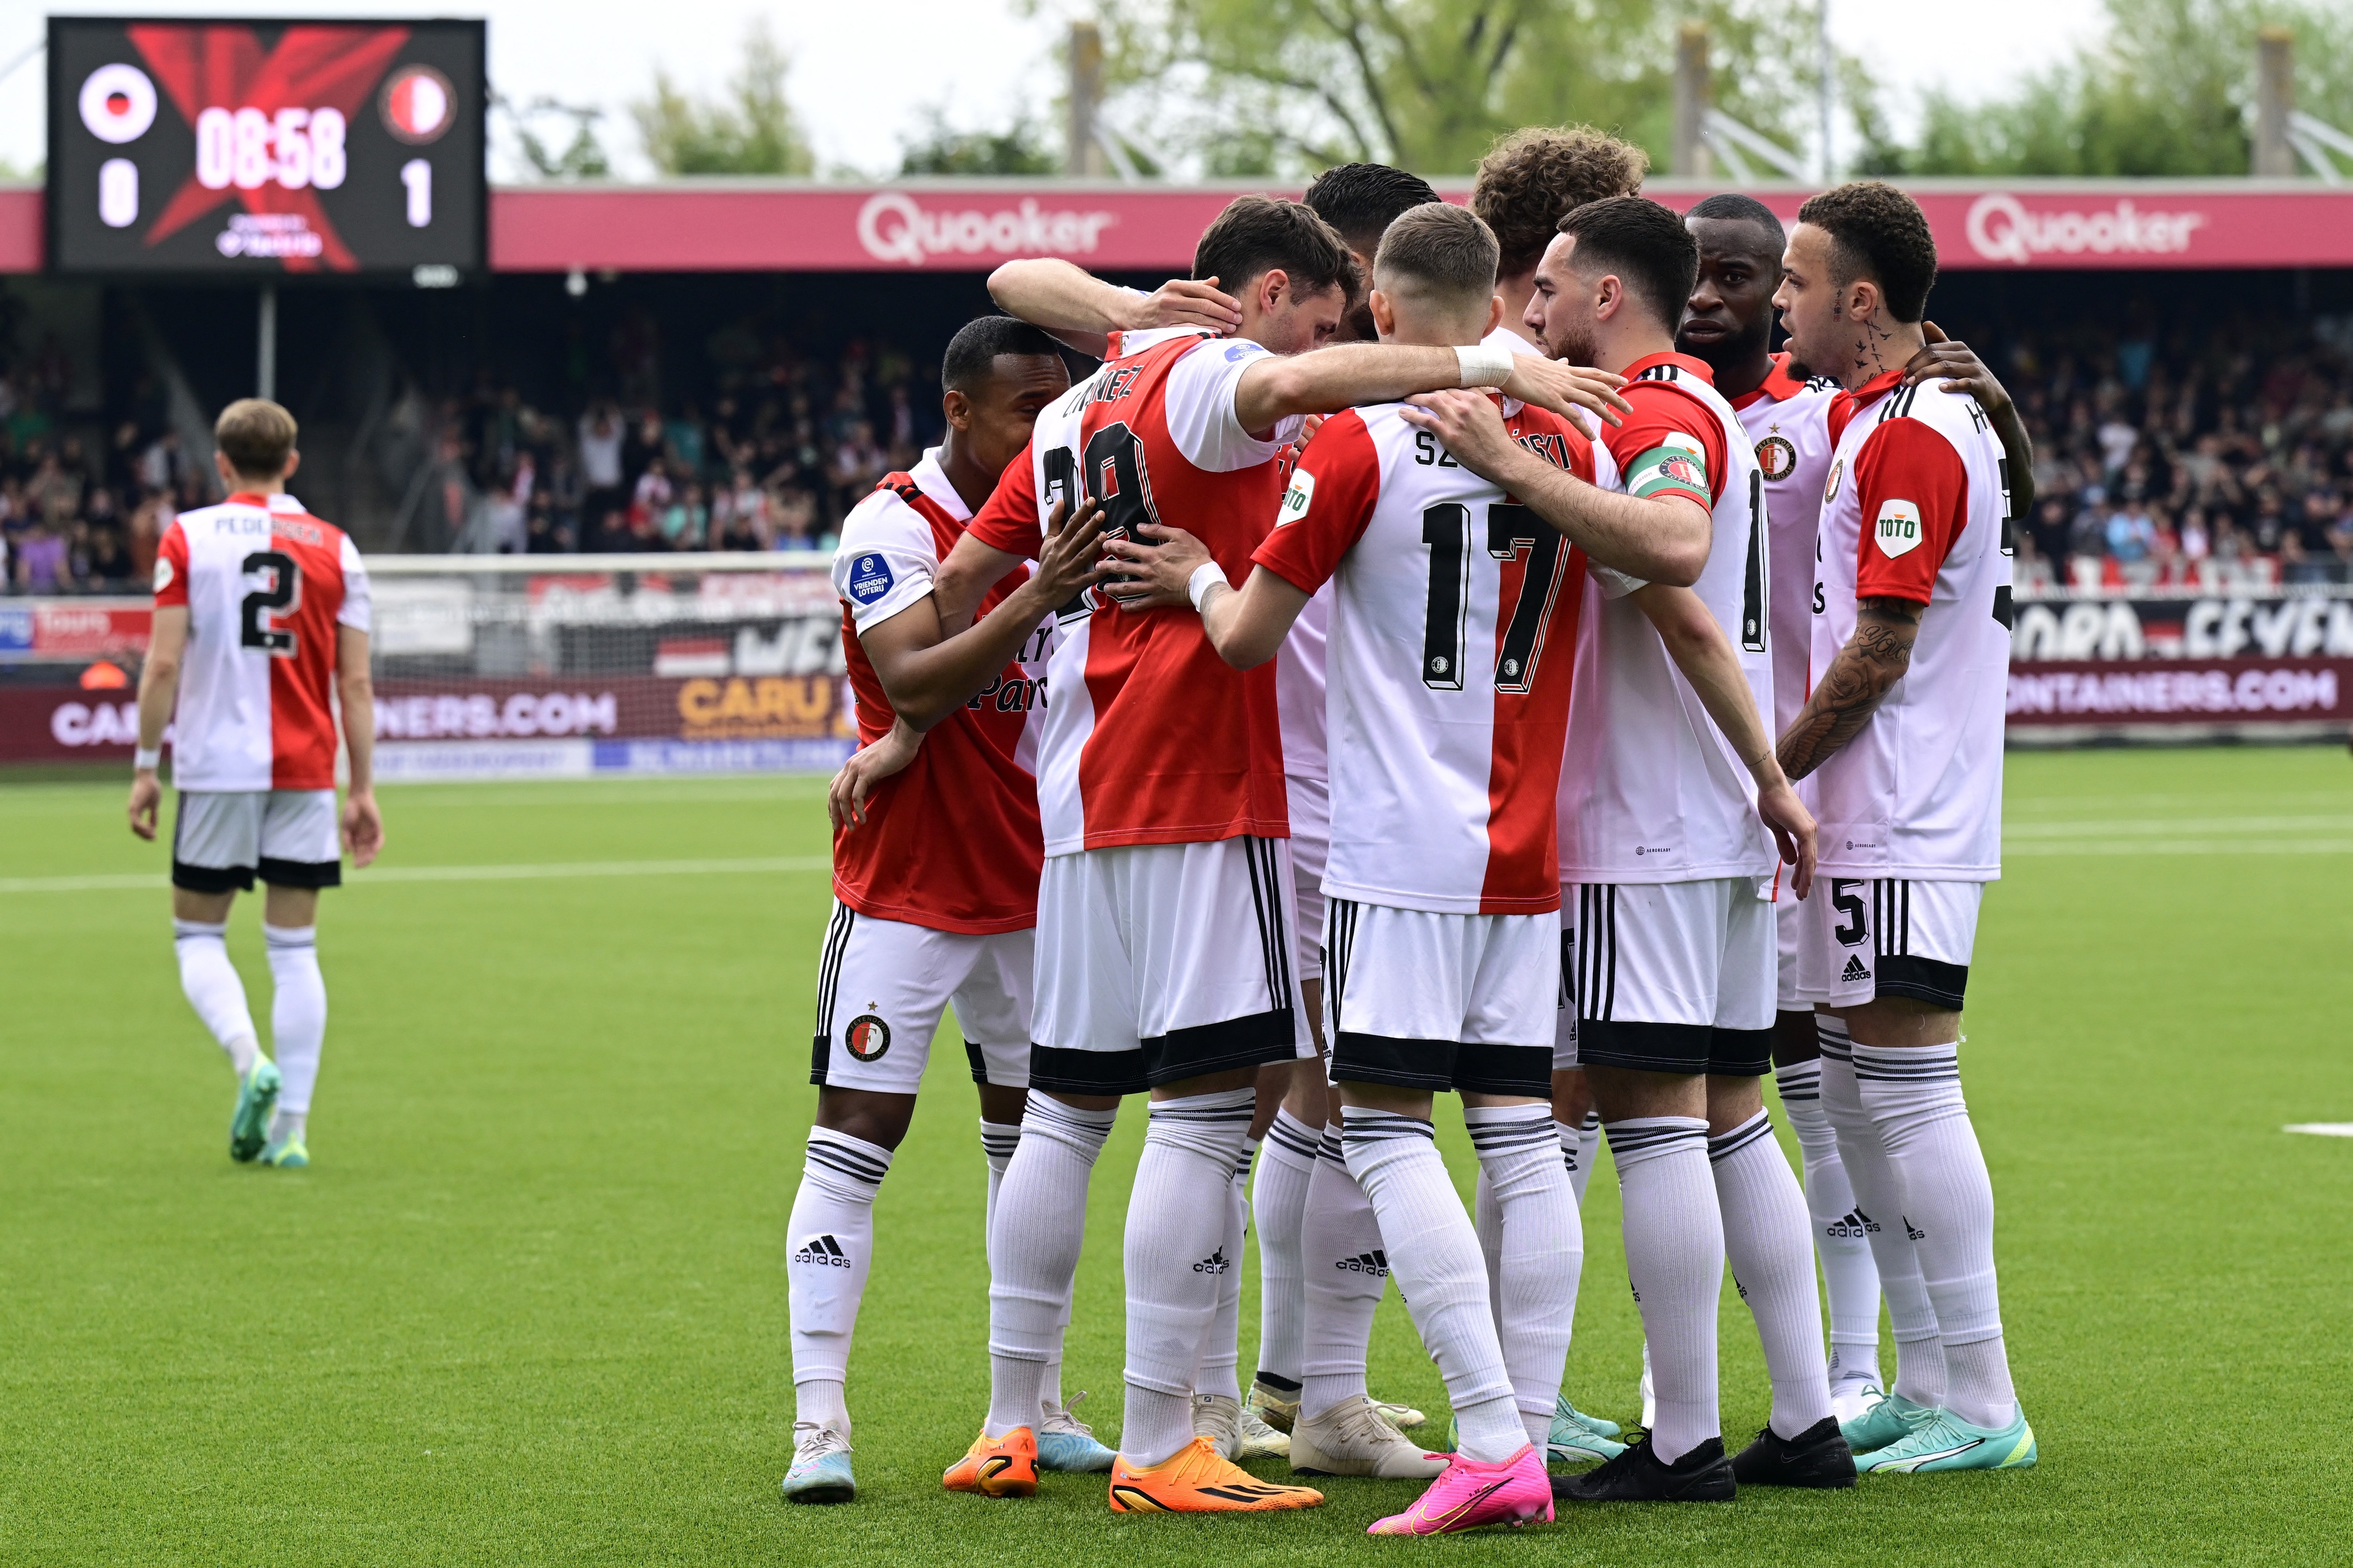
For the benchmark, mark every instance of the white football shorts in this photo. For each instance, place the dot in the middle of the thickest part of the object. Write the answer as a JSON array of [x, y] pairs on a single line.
[[1158, 963], [1310, 842], [1870, 937], [1441, 1001], [1673, 978], [1788, 935], [222, 839], [882, 986]]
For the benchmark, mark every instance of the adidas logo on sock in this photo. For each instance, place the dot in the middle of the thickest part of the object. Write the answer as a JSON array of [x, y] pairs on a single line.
[[1854, 970], [1856, 1227], [824, 1252], [1214, 1264], [1374, 1263], [1914, 1231]]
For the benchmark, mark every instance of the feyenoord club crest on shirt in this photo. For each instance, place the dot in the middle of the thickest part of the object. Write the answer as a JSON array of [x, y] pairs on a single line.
[[1776, 456]]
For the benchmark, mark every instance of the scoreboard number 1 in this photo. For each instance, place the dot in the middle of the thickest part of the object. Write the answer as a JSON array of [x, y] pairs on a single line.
[[417, 175]]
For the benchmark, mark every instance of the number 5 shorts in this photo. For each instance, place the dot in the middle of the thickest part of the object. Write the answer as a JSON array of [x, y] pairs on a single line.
[[1864, 938], [222, 839], [1158, 963], [882, 986], [1669, 977], [1424, 1000]]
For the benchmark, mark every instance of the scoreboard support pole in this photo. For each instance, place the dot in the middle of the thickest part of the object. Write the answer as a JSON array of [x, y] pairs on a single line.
[[265, 370]]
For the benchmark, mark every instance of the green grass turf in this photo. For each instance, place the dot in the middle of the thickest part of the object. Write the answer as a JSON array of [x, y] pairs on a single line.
[[528, 1307]]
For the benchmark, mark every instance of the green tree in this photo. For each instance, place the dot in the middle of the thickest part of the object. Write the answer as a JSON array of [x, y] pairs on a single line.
[[1018, 149], [1264, 86], [2166, 89], [752, 130], [581, 158]]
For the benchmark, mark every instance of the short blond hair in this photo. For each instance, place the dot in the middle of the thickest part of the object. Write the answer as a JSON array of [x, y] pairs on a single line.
[[256, 436], [1440, 252]]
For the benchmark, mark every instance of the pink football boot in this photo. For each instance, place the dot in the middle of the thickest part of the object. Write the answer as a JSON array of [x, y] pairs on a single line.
[[1471, 1494]]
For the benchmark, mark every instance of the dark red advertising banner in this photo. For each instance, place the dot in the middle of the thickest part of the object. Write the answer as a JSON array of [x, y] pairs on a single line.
[[2235, 693]]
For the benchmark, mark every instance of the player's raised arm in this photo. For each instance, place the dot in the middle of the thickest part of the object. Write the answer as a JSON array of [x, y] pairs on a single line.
[[1083, 311], [1657, 539], [1346, 374], [159, 688], [1705, 655], [1171, 569], [1962, 370]]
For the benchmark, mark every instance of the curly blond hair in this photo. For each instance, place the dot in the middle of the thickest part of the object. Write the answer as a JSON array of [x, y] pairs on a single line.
[[1532, 178]]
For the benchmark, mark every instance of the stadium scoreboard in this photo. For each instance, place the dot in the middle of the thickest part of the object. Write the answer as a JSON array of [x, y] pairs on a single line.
[[261, 149]]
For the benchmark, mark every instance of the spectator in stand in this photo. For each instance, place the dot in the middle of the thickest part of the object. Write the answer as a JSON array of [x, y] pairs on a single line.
[[41, 560], [686, 519], [600, 465]]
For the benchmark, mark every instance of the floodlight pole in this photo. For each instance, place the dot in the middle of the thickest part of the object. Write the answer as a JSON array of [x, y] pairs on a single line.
[[1825, 91], [265, 372]]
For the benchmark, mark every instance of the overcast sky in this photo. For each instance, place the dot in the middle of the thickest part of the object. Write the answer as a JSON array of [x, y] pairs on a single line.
[[861, 87]]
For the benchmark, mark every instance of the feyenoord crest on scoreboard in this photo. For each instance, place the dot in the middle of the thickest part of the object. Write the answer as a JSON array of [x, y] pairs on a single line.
[[264, 148]]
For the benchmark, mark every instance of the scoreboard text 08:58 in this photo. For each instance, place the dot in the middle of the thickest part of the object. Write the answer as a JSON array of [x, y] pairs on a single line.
[[261, 149]]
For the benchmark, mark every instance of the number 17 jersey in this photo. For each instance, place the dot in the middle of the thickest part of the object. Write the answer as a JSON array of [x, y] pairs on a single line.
[[1453, 636]]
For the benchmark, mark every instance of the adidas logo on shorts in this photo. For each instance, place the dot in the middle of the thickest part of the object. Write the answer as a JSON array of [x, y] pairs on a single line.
[[824, 1252], [1214, 1264], [1374, 1263], [1854, 970]]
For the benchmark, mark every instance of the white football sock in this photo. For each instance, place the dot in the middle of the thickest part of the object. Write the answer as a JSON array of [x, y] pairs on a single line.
[[829, 1245], [1177, 1262], [997, 1142], [1589, 1155], [1435, 1254], [1345, 1268], [1674, 1260], [298, 1011], [1543, 1251], [1879, 1204], [1286, 1165], [287, 1126], [1773, 1264], [1914, 1096], [1850, 1278], [213, 989], [1487, 1225], [1219, 1369], [1033, 1252]]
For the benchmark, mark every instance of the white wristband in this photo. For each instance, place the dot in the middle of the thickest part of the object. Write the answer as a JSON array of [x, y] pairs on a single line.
[[144, 760], [1484, 366], [1207, 575]]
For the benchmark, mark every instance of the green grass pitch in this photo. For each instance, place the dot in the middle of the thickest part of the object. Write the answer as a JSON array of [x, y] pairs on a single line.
[[528, 1306]]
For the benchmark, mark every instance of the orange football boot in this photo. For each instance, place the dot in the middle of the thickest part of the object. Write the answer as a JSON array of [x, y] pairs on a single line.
[[1194, 1480], [997, 1467]]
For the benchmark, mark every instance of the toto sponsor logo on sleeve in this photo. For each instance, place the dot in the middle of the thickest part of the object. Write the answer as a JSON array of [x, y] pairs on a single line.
[[893, 226], [2001, 229]]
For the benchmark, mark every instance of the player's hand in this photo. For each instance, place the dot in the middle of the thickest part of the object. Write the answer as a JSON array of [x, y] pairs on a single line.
[[845, 799], [1963, 371], [1470, 426], [1792, 827], [1155, 570], [1070, 562], [363, 828], [146, 796], [1566, 389], [1185, 303]]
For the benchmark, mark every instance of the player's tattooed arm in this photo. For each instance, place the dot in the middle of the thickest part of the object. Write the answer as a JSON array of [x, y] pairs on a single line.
[[1964, 371], [1661, 539], [1851, 690], [1083, 311]]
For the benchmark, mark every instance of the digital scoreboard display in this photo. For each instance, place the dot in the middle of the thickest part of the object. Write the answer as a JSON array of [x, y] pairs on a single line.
[[259, 149]]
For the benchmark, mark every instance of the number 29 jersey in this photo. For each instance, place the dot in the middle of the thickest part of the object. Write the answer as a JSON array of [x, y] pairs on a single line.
[[265, 584], [1453, 637], [1150, 737]]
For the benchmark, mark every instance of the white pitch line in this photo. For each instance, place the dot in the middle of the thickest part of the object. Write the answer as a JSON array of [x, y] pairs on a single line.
[[148, 880], [2095, 827], [2224, 846], [2323, 1129]]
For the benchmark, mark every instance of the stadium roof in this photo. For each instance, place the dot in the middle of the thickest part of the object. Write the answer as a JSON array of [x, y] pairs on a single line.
[[739, 226]]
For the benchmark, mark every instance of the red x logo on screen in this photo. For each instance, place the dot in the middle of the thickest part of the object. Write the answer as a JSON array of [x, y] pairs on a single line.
[[313, 67]]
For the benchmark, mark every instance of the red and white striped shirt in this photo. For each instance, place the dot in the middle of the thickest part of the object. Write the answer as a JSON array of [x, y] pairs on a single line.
[[265, 584]]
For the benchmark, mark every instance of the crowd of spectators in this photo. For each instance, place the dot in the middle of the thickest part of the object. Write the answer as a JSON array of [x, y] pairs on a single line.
[[79, 513], [2218, 461], [775, 461], [2219, 457]]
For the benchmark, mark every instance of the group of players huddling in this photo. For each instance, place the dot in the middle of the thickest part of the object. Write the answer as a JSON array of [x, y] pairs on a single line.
[[1359, 687]]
